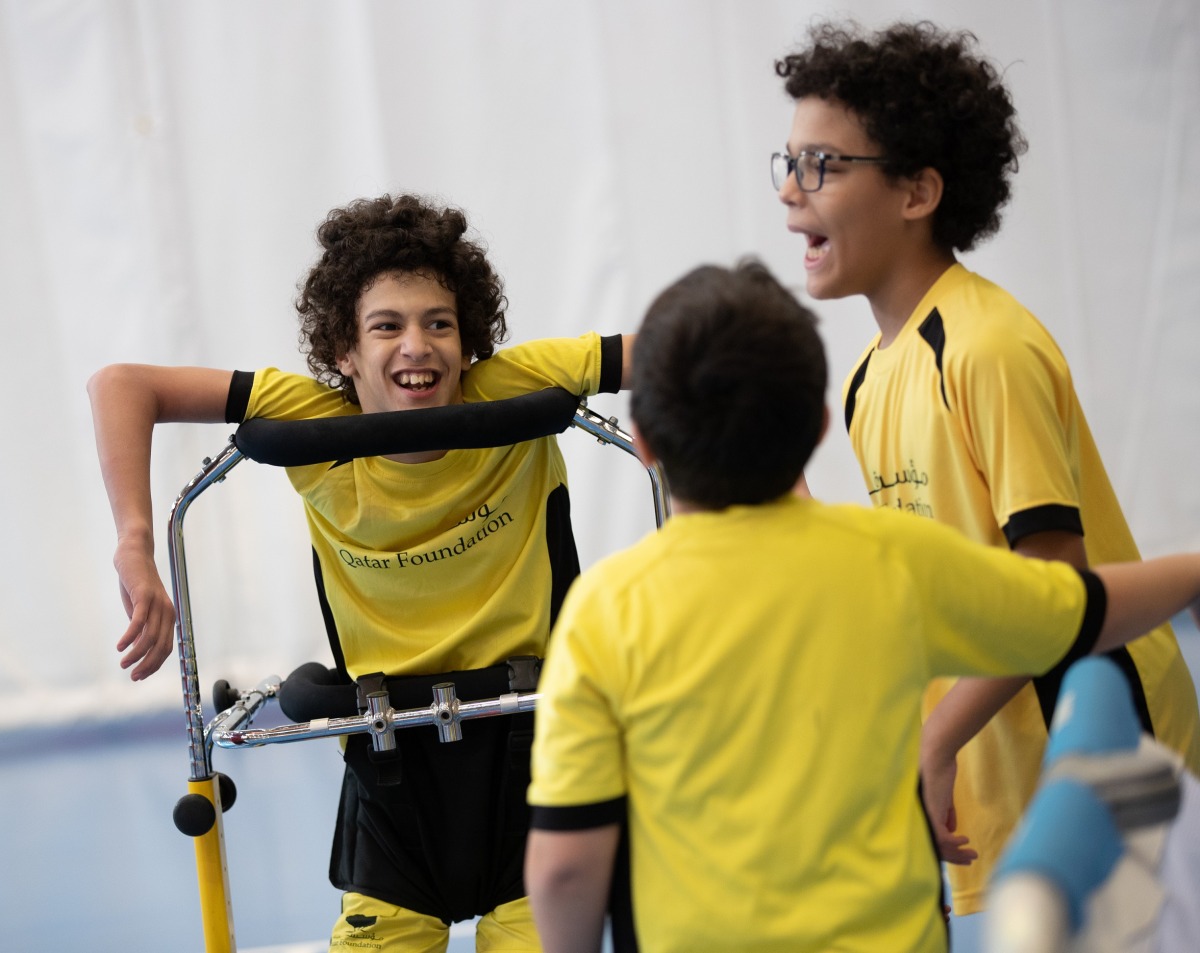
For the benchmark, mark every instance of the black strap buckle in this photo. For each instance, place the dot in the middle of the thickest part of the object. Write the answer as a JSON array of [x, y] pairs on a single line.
[[523, 673]]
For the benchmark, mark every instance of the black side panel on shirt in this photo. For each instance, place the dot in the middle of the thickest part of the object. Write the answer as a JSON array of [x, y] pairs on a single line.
[[1041, 519], [1048, 685], [560, 545], [564, 558], [331, 632], [852, 391], [239, 396], [612, 361], [941, 897], [934, 333], [620, 898]]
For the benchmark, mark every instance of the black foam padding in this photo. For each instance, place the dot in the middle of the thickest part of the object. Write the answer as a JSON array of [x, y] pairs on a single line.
[[314, 691], [497, 423]]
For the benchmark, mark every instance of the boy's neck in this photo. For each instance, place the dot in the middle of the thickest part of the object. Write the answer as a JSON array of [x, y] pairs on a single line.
[[893, 304]]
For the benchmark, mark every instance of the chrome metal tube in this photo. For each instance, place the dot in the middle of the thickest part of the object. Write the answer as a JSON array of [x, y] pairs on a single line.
[[213, 471], [608, 430], [408, 718], [242, 712]]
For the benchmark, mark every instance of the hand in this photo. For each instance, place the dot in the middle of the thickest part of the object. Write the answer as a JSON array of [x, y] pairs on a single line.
[[937, 791], [149, 639]]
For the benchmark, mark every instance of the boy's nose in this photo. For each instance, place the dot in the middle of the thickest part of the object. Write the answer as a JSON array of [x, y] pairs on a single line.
[[789, 193], [415, 343]]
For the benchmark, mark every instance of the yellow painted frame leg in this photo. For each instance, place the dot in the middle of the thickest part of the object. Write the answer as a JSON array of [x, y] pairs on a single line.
[[216, 910]]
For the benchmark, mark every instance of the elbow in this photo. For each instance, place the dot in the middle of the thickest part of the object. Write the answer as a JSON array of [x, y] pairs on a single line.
[[107, 377], [549, 878], [551, 871]]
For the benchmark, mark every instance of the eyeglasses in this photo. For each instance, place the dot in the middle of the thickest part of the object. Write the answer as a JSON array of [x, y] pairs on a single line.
[[809, 168]]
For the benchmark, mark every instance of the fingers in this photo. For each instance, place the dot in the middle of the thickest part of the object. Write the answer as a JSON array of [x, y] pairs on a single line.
[[147, 652], [149, 638], [953, 849]]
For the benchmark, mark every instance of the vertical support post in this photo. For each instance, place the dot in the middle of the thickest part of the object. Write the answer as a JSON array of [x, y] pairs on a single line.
[[216, 908]]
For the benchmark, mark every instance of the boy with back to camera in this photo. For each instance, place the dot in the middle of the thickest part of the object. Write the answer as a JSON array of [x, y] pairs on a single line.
[[745, 685], [401, 311], [962, 409]]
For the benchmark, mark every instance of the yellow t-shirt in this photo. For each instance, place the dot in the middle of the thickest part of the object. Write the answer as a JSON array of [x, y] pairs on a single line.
[[750, 680], [970, 418], [453, 564]]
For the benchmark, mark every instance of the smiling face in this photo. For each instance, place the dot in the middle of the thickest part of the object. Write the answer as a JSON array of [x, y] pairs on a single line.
[[856, 226], [409, 353]]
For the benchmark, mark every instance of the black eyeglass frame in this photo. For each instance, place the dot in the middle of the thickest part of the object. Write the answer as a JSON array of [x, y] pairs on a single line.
[[792, 162]]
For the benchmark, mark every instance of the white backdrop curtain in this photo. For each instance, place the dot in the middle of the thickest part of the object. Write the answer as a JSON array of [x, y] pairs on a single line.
[[163, 166]]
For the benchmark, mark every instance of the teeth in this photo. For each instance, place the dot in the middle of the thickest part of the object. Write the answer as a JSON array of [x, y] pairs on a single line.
[[816, 252], [416, 378]]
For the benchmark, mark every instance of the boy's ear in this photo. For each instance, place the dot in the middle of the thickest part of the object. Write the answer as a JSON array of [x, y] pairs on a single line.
[[644, 453], [924, 193], [345, 365]]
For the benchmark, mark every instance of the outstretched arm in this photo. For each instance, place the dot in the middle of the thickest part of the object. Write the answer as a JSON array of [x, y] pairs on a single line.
[[970, 705], [127, 401], [1144, 595], [568, 875]]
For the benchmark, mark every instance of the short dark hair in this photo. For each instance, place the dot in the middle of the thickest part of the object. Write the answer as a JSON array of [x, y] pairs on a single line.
[[374, 237], [930, 101], [729, 385]]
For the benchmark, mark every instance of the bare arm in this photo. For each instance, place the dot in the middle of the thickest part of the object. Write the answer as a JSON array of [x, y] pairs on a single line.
[[568, 875], [1144, 595], [627, 342], [127, 401], [970, 705]]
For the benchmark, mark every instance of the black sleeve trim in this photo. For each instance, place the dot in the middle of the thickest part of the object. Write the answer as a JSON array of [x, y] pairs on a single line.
[[1047, 686], [612, 363], [1093, 617], [238, 400], [578, 817], [1041, 519]]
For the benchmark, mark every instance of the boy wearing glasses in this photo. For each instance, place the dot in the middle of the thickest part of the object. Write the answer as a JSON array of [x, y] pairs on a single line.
[[745, 685], [962, 408], [402, 311]]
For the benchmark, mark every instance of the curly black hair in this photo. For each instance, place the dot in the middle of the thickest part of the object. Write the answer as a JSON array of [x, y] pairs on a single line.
[[930, 101], [728, 391], [372, 237]]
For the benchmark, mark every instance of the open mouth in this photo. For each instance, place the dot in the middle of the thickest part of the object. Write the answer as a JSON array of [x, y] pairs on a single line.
[[818, 248], [418, 380]]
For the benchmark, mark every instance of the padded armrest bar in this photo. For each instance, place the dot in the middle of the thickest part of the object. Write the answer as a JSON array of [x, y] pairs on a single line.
[[497, 423]]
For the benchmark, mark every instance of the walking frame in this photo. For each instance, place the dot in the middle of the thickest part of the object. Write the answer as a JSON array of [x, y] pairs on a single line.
[[303, 442]]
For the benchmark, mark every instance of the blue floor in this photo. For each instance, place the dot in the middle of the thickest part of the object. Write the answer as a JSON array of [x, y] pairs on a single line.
[[92, 860]]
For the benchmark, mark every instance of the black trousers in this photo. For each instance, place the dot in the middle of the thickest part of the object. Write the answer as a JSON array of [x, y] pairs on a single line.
[[438, 828]]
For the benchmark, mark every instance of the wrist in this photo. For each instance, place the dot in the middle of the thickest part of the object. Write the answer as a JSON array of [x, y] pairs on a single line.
[[936, 750], [137, 537]]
